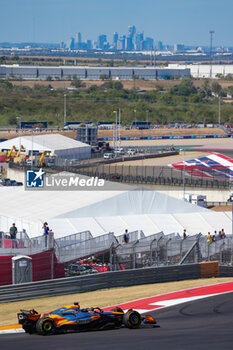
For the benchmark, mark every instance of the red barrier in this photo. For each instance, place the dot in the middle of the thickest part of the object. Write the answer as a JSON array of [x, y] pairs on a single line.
[[5, 270], [41, 267]]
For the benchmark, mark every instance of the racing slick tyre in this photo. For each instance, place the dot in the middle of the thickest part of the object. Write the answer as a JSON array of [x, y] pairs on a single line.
[[132, 319], [45, 326]]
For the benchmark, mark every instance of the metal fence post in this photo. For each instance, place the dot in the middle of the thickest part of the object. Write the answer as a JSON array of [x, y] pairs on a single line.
[[151, 250], [134, 254], [169, 239], [157, 253], [181, 248], [221, 253]]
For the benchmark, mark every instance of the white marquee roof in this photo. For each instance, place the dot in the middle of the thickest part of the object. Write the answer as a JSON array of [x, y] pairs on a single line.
[[48, 142], [70, 212]]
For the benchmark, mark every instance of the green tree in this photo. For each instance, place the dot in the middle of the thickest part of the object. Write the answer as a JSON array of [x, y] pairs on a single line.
[[117, 85], [12, 120], [77, 83], [104, 77], [216, 88], [230, 90]]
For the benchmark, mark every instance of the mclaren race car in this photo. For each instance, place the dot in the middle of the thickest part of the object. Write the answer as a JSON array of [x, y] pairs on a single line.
[[72, 318]]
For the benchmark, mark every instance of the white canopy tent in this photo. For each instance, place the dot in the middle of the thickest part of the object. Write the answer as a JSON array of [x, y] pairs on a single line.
[[70, 212], [57, 144]]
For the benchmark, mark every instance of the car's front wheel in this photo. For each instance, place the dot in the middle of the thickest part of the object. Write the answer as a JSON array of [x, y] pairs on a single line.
[[45, 326], [132, 319]]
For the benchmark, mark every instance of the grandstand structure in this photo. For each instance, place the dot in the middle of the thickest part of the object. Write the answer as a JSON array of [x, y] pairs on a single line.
[[157, 249]]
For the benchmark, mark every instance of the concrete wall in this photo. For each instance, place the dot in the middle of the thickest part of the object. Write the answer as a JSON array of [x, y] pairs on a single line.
[[16, 174]]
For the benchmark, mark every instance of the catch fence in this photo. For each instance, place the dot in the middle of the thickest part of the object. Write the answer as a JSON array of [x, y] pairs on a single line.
[[159, 175]]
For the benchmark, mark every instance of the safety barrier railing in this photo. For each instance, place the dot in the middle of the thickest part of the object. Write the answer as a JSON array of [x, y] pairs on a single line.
[[74, 238], [133, 236], [154, 250], [86, 248], [9, 245]]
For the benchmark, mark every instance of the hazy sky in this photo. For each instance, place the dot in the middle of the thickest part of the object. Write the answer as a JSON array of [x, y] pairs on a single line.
[[169, 21]]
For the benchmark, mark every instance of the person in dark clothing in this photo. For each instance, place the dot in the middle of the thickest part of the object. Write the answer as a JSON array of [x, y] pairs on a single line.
[[184, 234], [13, 232]]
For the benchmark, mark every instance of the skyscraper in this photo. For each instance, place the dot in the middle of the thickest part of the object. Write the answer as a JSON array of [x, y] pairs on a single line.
[[115, 40], [102, 42], [148, 44], [160, 46], [129, 43], [71, 44], [121, 43], [139, 41], [132, 31], [131, 38]]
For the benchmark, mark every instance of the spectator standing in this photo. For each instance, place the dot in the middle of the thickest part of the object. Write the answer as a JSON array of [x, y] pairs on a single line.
[[184, 234], [208, 238], [125, 238], [223, 235], [213, 238], [45, 233], [13, 232]]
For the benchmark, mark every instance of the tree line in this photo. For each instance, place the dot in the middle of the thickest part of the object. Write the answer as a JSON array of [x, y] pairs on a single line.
[[181, 102]]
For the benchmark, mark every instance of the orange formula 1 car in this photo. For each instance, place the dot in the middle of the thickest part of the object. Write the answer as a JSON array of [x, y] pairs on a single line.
[[72, 318]]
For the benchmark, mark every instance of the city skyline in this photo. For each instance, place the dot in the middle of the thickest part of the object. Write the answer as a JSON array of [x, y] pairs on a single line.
[[172, 21]]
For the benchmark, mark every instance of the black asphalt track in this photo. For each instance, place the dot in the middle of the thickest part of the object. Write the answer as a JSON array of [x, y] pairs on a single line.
[[202, 324]]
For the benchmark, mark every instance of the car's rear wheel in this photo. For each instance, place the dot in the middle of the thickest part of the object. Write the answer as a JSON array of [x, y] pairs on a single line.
[[45, 326], [132, 319]]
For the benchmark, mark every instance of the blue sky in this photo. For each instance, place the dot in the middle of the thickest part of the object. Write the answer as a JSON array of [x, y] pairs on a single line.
[[169, 21]]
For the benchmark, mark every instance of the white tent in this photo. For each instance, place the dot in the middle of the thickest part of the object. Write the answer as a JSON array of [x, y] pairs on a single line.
[[70, 212], [57, 144]]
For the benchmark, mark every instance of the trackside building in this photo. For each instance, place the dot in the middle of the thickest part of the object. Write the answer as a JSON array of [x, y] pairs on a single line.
[[92, 73]]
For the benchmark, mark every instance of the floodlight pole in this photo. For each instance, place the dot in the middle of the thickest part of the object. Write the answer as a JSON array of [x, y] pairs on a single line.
[[32, 153], [135, 117], [219, 110], [115, 131], [211, 46], [183, 175], [119, 128], [64, 109], [20, 126]]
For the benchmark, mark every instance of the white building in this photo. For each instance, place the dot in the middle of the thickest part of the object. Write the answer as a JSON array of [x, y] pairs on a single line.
[[205, 70]]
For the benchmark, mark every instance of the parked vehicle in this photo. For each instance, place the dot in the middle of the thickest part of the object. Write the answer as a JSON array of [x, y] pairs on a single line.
[[77, 269], [108, 155], [131, 152], [119, 151]]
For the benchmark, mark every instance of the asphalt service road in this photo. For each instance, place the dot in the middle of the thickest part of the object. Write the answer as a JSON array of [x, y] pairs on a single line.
[[202, 324]]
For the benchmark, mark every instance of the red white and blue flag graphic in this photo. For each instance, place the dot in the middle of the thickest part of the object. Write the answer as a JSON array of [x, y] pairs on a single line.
[[214, 165]]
